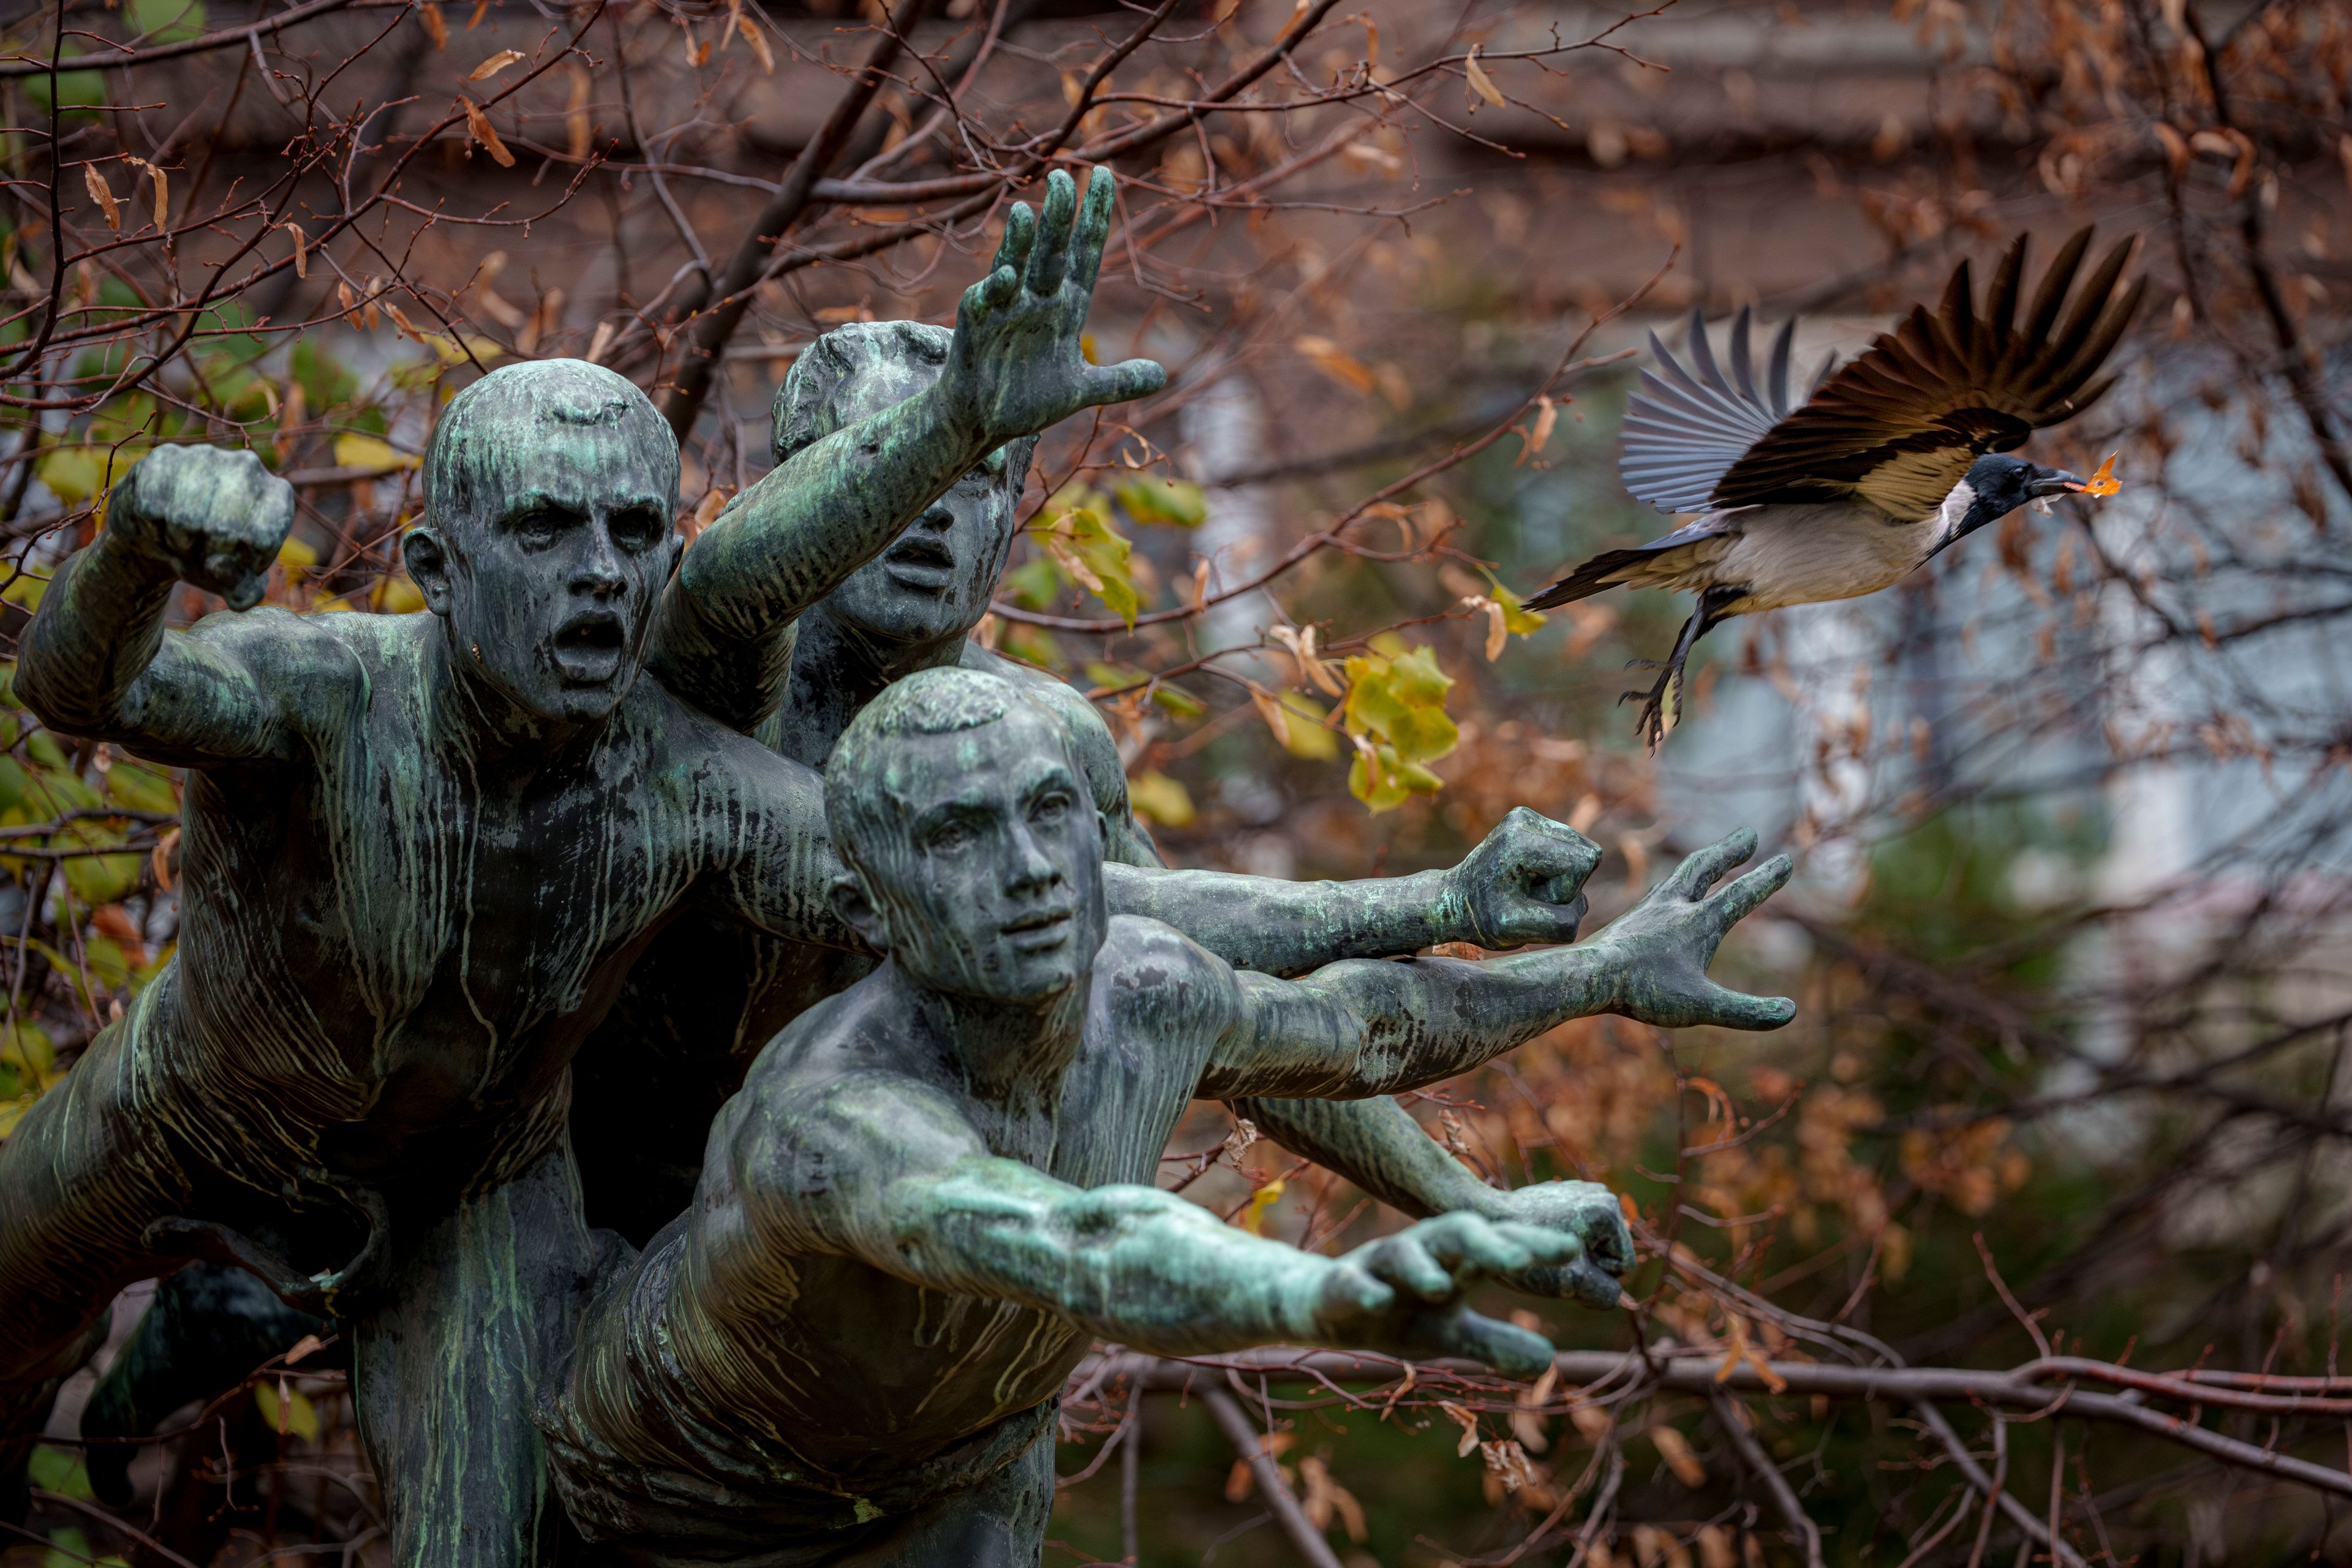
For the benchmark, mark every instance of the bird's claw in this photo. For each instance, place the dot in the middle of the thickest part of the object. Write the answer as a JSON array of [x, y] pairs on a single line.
[[1653, 720]]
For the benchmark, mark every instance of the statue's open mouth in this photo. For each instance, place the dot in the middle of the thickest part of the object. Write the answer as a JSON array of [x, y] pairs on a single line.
[[588, 646]]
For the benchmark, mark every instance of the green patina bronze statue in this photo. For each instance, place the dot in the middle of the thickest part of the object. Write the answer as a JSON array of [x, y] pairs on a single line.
[[710, 993], [933, 1191], [421, 855], [424, 855]]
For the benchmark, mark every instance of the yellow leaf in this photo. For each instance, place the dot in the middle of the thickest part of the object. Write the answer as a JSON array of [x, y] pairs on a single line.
[[1156, 796], [483, 132], [428, 17], [1480, 83], [353, 450], [1253, 1217], [1306, 734], [2104, 482], [495, 64], [483, 351], [297, 558], [103, 194], [301, 248], [397, 595], [287, 1411]]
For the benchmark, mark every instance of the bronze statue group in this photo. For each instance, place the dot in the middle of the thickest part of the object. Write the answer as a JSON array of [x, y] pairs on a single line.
[[702, 1029]]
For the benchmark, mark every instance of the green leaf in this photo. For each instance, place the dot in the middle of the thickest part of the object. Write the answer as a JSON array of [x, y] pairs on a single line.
[[76, 90], [141, 788], [1396, 701], [325, 383], [102, 878], [1103, 550], [55, 1471], [1177, 703], [74, 474], [1034, 585], [166, 21], [1149, 499], [1396, 781], [1032, 645]]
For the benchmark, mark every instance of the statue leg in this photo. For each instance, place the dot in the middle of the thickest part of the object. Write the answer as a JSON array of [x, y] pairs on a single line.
[[83, 1176], [479, 1310]]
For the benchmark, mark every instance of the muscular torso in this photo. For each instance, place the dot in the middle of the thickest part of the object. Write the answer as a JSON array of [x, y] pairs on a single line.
[[826, 1364], [391, 944]]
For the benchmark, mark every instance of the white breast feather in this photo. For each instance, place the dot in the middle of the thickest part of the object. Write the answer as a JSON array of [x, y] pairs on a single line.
[[1835, 550]]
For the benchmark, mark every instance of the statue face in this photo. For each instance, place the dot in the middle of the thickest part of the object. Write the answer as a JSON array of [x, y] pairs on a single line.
[[555, 572], [936, 580], [994, 885]]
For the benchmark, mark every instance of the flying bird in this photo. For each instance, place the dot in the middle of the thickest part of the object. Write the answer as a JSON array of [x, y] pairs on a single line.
[[1888, 461]]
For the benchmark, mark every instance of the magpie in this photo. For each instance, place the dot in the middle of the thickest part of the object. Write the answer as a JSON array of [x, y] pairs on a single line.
[[1889, 460]]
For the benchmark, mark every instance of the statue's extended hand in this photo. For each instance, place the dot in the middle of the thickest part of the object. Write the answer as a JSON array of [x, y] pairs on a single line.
[[1016, 367], [1403, 1294], [216, 517], [1525, 883], [1665, 941], [1585, 1210]]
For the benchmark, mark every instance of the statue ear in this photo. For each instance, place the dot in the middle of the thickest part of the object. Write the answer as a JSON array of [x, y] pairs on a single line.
[[859, 913], [427, 559]]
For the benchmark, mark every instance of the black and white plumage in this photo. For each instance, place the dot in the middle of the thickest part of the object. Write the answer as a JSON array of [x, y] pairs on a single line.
[[1888, 460]]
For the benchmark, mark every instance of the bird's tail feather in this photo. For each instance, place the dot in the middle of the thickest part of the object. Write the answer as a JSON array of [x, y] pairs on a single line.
[[1601, 571]]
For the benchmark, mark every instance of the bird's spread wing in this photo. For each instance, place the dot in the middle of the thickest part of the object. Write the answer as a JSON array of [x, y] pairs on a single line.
[[1683, 432], [1899, 426]]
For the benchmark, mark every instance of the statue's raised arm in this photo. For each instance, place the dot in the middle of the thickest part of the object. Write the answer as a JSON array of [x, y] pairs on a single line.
[[1014, 367], [97, 658]]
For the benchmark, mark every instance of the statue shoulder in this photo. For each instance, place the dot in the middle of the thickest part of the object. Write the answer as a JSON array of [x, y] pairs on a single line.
[[1148, 965]]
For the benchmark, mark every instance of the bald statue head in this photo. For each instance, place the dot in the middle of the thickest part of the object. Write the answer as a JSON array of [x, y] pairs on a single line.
[[936, 581], [974, 850], [551, 489]]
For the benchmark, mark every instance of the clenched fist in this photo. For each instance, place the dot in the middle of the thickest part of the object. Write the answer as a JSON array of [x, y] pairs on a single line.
[[216, 517]]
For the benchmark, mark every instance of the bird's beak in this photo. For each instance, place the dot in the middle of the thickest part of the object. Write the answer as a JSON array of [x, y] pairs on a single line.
[[2054, 482]]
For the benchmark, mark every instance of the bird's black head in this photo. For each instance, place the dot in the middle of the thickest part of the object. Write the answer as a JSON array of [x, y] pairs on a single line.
[[1997, 485]]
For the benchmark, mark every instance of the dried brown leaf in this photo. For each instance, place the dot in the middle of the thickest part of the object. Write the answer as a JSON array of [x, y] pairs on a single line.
[[487, 134], [495, 64], [1480, 82], [100, 192]]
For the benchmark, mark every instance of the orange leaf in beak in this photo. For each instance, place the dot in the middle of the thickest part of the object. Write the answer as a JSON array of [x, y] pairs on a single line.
[[2104, 482]]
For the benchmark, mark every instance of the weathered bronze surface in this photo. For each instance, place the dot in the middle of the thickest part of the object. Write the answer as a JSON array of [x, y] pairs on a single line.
[[429, 861], [933, 1191]]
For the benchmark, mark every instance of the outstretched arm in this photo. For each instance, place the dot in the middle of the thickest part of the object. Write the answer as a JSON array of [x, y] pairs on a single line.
[[1523, 884], [1355, 1029], [1015, 367], [890, 1172], [96, 659]]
